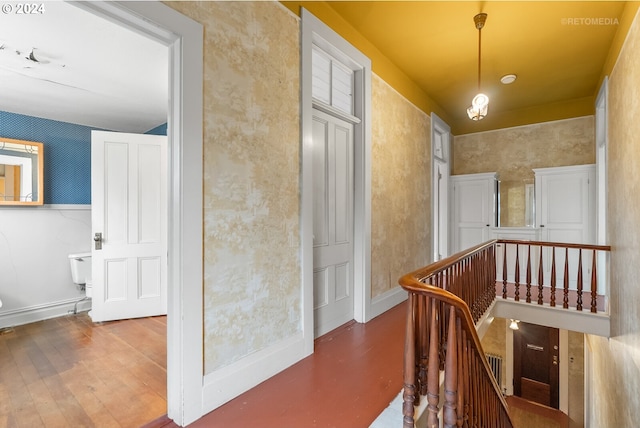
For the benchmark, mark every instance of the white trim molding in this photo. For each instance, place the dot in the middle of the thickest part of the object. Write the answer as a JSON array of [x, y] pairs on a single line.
[[183, 38], [316, 32], [35, 313], [224, 384]]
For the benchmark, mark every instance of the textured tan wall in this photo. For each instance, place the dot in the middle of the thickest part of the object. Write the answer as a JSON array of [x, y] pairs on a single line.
[[576, 379], [400, 187], [616, 362], [252, 270], [494, 342], [252, 277], [514, 152]]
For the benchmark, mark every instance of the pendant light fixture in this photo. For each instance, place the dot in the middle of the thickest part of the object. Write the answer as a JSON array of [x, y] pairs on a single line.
[[480, 103]]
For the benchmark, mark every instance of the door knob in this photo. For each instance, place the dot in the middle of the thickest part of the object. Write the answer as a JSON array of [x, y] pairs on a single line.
[[97, 239]]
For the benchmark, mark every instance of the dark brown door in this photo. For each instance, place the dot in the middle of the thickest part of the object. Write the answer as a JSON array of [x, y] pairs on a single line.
[[535, 364]]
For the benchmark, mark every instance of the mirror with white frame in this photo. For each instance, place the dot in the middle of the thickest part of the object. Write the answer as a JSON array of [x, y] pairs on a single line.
[[21, 172]]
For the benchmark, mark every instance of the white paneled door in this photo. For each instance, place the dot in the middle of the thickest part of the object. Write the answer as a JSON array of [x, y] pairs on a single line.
[[129, 225], [332, 222]]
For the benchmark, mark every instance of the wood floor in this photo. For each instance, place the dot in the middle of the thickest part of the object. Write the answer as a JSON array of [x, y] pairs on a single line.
[[527, 414], [69, 372], [354, 373]]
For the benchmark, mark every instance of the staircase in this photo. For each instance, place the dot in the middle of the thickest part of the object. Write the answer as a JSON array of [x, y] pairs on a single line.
[[444, 363]]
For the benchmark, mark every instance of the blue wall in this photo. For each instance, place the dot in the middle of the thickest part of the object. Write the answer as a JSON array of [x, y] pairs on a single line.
[[67, 155], [158, 130]]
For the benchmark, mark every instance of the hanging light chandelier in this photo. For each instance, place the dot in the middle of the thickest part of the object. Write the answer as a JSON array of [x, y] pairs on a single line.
[[480, 103]]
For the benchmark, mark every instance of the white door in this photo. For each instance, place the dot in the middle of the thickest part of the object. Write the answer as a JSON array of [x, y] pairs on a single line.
[[129, 211], [332, 222], [474, 198]]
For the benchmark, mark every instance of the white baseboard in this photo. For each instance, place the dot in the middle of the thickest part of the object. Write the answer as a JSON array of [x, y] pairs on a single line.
[[387, 300], [45, 311], [228, 382]]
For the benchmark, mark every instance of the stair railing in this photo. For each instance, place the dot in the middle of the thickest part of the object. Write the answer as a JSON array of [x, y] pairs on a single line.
[[552, 273], [446, 298]]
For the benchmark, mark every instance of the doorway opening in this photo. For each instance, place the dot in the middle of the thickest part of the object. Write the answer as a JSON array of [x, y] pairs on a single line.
[[536, 356], [184, 40]]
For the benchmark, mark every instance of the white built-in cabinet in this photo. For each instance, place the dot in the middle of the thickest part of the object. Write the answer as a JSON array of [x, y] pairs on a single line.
[[565, 203], [474, 208], [565, 212]]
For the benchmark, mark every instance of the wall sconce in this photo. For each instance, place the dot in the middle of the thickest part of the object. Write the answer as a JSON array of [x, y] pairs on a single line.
[[514, 325]]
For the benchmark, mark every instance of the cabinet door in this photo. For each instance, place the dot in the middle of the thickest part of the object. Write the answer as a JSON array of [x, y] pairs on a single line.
[[565, 203], [474, 209]]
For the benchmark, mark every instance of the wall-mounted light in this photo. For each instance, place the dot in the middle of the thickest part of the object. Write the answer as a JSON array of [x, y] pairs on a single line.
[[480, 103], [514, 325]]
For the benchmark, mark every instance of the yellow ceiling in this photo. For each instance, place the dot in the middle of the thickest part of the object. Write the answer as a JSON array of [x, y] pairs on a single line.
[[558, 50]]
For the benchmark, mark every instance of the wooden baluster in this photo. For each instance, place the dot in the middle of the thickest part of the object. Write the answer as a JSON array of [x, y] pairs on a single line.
[[433, 371], [552, 301], [460, 375], [565, 300], [504, 271], [517, 275], [442, 325], [594, 284], [540, 279], [423, 347], [450, 374], [467, 381], [528, 273], [409, 390], [580, 285], [472, 385]]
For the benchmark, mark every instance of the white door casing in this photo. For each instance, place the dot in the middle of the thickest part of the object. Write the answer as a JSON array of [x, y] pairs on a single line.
[[316, 32], [184, 40], [440, 180], [332, 222], [129, 211], [440, 148]]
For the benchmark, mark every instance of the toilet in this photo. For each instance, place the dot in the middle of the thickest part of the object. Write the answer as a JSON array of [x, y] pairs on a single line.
[[81, 271]]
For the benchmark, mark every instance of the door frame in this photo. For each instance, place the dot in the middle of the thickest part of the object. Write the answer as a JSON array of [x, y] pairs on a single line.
[[184, 39], [440, 205], [564, 366], [315, 31], [553, 337]]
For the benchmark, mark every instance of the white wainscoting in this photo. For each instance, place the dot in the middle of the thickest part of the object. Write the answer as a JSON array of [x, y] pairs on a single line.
[[35, 277]]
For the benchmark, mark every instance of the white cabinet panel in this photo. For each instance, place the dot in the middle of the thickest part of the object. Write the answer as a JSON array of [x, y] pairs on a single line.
[[565, 212], [474, 209]]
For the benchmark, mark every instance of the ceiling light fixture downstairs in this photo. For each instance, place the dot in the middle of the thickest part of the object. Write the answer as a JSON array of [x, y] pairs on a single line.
[[480, 103]]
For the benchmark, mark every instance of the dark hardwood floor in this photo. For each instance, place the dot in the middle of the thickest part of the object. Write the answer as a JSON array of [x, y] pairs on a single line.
[[69, 372]]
